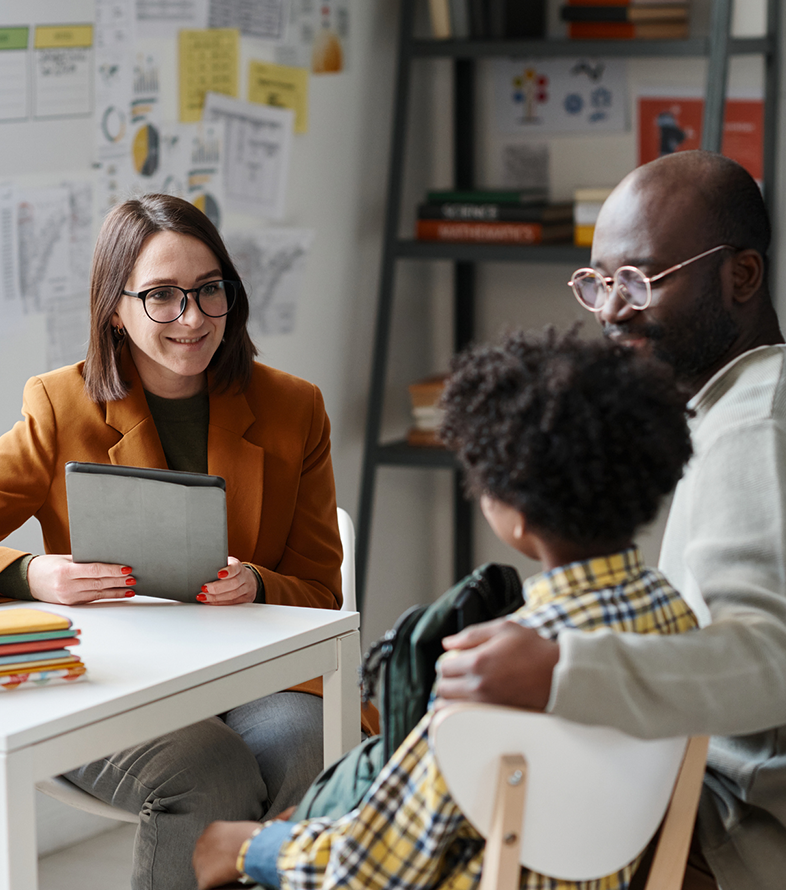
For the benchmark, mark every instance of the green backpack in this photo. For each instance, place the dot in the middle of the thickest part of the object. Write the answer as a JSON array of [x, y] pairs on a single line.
[[403, 661]]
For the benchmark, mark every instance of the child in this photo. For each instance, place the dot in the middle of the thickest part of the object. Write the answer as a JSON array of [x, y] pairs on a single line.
[[570, 446]]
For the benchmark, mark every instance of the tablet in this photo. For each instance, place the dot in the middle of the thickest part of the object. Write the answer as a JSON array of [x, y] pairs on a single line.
[[170, 527]]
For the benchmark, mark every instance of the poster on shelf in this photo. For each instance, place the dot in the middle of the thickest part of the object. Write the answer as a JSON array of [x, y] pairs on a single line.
[[669, 123], [559, 95]]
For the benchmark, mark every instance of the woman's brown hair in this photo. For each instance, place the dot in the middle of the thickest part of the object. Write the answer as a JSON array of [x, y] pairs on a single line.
[[119, 243]]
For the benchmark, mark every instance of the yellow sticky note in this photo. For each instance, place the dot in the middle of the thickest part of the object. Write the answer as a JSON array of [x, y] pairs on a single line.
[[281, 86], [63, 36], [209, 61]]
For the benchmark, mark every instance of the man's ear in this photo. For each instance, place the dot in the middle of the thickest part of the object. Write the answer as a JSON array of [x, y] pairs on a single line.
[[747, 274]]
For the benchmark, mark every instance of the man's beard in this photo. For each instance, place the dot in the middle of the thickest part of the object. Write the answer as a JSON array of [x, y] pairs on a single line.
[[696, 340]]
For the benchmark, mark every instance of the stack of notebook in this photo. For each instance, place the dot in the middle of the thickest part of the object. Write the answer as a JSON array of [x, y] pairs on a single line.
[[34, 649]]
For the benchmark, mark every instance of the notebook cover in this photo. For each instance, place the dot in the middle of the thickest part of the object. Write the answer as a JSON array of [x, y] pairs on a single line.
[[29, 679], [170, 527], [66, 661], [13, 621], [44, 635], [36, 646], [25, 657]]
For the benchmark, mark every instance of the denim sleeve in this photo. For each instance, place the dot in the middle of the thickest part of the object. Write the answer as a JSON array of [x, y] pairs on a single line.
[[262, 853]]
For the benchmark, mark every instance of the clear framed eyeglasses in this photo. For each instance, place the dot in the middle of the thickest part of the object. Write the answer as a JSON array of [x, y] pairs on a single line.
[[168, 302], [593, 290]]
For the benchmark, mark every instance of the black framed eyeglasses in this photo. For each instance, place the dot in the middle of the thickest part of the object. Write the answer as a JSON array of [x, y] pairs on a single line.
[[593, 290], [168, 302]]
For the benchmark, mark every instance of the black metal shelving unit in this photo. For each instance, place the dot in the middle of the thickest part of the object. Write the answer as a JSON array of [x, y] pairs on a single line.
[[717, 48]]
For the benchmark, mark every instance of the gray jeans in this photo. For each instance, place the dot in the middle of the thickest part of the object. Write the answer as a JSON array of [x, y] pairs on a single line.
[[250, 763]]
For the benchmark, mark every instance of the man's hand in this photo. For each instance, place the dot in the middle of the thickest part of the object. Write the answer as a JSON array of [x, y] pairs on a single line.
[[216, 851], [500, 663]]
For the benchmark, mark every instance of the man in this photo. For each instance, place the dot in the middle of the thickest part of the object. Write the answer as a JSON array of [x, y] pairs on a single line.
[[695, 226]]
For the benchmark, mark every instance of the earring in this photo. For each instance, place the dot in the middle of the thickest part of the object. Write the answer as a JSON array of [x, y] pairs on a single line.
[[119, 332]]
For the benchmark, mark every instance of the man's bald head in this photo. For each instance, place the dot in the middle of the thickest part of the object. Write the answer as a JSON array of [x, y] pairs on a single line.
[[734, 208]]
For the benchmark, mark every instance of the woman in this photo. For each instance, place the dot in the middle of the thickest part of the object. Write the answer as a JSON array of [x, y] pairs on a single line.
[[169, 381]]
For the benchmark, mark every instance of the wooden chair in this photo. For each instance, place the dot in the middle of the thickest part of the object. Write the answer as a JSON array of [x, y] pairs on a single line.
[[66, 792], [566, 800]]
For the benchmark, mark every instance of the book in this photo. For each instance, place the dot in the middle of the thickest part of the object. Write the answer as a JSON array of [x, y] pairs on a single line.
[[627, 30], [43, 635], [624, 13], [626, 3], [36, 646], [440, 18], [493, 211], [493, 232], [55, 677], [488, 196], [14, 621], [478, 19], [586, 207], [427, 416], [516, 19], [66, 661], [459, 19]]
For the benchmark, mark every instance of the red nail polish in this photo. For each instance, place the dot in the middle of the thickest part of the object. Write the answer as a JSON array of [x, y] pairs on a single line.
[[204, 588], [202, 598], [223, 574], [126, 570], [129, 593], [130, 582]]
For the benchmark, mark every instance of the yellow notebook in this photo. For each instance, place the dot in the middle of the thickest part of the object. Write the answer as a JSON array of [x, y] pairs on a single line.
[[22, 621]]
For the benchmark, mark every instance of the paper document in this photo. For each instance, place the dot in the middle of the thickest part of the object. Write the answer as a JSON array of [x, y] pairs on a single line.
[[63, 71], [271, 263], [281, 87], [559, 95], [114, 61], [14, 82], [209, 62], [165, 18], [257, 148], [264, 19]]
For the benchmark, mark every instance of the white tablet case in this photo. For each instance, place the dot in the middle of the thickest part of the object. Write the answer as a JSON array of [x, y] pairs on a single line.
[[169, 527]]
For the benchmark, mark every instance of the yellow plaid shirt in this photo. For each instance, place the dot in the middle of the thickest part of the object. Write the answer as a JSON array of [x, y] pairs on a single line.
[[408, 834]]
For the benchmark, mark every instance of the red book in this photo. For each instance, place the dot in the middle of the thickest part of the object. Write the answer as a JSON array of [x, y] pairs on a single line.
[[491, 232], [625, 13], [37, 646], [626, 3], [627, 30]]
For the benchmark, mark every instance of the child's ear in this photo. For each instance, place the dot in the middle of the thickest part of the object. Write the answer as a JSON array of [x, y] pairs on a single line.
[[520, 527]]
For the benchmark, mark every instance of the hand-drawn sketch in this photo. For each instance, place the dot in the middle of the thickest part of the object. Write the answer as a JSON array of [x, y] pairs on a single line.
[[271, 263]]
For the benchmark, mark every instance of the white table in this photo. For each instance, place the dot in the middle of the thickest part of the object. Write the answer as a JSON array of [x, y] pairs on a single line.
[[155, 666]]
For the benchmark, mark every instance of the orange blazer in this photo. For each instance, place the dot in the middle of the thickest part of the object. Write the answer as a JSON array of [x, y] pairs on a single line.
[[271, 443]]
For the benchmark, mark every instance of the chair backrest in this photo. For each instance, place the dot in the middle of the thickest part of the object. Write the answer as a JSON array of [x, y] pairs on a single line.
[[594, 796], [346, 531]]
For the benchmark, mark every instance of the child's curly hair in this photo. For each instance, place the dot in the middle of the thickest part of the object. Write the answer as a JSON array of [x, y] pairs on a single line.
[[582, 437]]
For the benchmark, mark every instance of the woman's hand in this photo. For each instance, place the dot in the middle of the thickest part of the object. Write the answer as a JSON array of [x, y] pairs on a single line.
[[56, 578], [236, 584]]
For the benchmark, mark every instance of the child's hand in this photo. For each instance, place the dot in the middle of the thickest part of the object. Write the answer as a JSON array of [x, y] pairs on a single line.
[[216, 852], [497, 662]]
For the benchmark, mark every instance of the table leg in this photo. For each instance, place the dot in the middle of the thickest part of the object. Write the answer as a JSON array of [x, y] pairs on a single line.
[[342, 700], [18, 854]]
